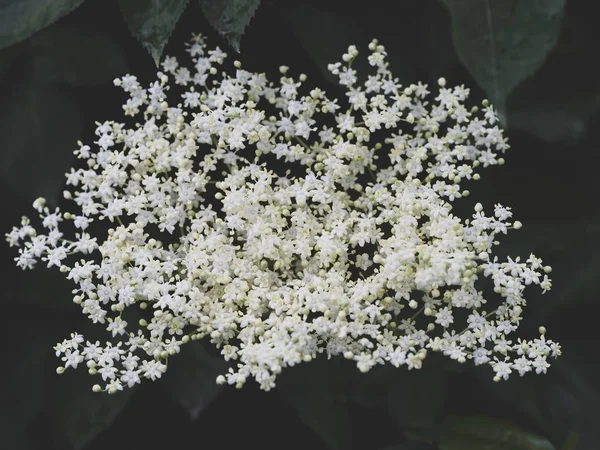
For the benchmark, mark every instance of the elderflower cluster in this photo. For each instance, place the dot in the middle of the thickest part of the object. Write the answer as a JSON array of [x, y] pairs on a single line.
[[280, 224]]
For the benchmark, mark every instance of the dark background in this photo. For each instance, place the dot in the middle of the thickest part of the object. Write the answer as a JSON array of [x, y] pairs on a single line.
[[58, 82]]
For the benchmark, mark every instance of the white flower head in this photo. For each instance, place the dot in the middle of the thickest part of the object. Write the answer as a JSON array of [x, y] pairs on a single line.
[[266, 218]]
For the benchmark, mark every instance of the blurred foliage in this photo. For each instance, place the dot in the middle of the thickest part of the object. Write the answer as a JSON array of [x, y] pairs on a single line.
[[78, 415], [475, 433], [532, 58]]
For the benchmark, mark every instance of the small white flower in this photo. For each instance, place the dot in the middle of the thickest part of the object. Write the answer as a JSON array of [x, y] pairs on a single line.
[[72, 358]]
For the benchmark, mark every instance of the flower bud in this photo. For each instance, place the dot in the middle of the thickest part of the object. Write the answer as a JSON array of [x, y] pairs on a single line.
[[39, 204]]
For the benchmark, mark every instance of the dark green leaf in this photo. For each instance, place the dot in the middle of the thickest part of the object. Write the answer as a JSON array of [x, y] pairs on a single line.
[[537, 399], [587, 431], [80, 414], [75, 56], [478, 433], [416, 397], [19, 19], [371, 389], [537, 107], [559, 409], [519, 393], [40, 126], [315, 390], [152, 22], [230, 17], [502, 43], [571, 442], [191, 378]]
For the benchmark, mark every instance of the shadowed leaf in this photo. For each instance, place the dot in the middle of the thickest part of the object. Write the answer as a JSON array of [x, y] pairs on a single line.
[[503, 42], [230, 17], [191, 379], [19, 19], [81, 414], [152, 21], [315, 391], [477, 433]]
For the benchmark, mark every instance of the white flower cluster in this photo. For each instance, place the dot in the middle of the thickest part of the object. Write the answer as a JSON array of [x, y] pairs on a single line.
[[281, 225]]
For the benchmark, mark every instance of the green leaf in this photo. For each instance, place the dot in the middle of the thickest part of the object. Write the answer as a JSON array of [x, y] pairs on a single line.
[[76, 56], [315, 390], [152, 21], [502, 43], [40, 126], [191, 378], [230, 17], [479, 433], [80, 414], [19, 19]]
